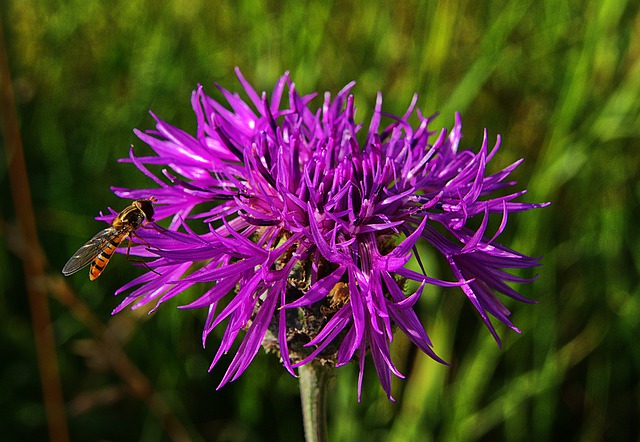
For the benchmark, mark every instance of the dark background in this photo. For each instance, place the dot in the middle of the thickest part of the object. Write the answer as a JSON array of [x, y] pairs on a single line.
[[559, 80]]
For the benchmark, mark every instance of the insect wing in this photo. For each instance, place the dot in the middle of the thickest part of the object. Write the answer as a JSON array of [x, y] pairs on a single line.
[[90, 251]]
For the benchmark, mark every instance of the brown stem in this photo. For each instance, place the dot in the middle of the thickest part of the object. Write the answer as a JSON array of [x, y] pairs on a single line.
[[32, 258]]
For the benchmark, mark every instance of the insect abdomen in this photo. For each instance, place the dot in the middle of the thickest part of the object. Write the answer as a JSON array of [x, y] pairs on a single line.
[[101, 261]]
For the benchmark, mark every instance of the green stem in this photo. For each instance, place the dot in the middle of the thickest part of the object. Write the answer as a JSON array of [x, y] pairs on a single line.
[[313, 387]]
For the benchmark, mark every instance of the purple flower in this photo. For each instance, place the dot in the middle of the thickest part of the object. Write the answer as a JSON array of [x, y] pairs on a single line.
[[309, 225]]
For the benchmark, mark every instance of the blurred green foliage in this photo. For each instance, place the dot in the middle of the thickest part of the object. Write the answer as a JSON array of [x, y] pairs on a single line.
[[560, 80]]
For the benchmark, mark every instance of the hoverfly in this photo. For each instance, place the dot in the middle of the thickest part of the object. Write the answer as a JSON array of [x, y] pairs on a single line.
[[99, 249]]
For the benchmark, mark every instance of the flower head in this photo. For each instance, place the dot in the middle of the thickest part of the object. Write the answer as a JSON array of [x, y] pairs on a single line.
[[303, 229]]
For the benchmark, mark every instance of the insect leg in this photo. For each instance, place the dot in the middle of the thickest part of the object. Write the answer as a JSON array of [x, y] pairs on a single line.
[[143, 262]]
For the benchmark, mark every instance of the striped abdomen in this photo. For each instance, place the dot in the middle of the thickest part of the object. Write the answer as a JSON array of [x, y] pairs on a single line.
[[101, 261]]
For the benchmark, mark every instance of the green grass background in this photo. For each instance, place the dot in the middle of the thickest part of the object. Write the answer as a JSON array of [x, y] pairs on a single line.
[[560, 80]]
